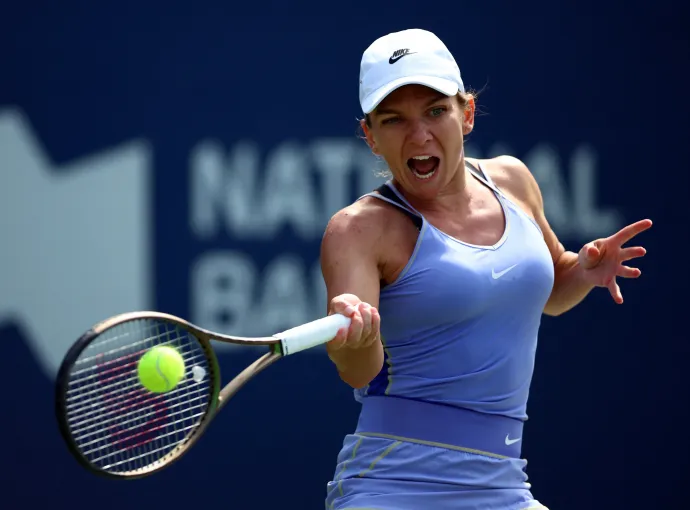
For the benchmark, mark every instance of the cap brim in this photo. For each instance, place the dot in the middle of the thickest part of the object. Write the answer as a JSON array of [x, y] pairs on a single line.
[[447, 87]]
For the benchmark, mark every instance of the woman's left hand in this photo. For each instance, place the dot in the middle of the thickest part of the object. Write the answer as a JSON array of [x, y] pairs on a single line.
[[602, 260]]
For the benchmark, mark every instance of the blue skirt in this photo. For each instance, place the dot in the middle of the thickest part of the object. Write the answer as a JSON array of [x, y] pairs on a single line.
[[375, 473], [395, 461]]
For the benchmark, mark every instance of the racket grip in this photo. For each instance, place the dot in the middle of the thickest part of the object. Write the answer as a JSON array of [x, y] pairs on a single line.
[[312, 333]]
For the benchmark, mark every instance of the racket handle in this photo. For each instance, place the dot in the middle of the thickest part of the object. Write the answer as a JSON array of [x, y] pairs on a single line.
[[312, 333]]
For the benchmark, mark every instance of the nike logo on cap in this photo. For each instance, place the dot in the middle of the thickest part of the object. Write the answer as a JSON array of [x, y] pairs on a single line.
[[398, 54]]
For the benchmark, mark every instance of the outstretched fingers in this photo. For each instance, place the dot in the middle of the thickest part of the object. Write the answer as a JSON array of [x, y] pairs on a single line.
[[615, 291], [628, 272], [627, 233], [631, 253]]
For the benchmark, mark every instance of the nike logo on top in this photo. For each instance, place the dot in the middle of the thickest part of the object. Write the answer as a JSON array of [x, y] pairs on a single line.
[[496, 275], [398, 54], [511, 441]]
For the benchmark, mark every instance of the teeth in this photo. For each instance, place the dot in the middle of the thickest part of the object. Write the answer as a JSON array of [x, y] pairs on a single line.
[[421, 158], [424, 176]]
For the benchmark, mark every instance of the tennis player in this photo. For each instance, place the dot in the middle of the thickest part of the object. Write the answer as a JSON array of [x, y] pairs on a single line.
[[445, 271]]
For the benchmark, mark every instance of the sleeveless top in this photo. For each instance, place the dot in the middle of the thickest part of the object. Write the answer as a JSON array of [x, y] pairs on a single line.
[[459, 325]]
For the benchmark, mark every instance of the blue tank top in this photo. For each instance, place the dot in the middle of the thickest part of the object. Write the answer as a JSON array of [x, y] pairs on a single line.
[[459, 325]]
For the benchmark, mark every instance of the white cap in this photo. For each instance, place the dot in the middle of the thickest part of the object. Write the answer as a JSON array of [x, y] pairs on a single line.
[[412, 56]]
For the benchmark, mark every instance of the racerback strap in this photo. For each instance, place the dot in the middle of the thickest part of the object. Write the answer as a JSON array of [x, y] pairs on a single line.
[[480, 174], [387, 193]]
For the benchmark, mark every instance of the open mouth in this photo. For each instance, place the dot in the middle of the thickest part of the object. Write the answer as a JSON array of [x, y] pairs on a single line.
[[423, 167]]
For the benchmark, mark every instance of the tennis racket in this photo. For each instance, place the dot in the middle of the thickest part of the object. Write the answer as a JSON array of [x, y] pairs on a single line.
[[115, 427]]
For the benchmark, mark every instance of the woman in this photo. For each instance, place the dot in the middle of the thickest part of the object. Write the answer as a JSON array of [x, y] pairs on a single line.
[[445, 272]]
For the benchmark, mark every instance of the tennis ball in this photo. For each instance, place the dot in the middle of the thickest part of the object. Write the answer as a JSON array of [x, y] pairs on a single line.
[[161, 369]]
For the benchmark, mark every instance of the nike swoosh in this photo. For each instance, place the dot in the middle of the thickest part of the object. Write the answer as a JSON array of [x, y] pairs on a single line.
[[394, 60], [496, 275], [511, 441]]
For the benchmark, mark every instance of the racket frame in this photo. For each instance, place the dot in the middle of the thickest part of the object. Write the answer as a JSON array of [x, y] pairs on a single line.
[[218, 399]]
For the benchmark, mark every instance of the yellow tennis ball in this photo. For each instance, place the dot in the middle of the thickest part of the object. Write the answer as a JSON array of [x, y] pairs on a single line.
[[161, 369]]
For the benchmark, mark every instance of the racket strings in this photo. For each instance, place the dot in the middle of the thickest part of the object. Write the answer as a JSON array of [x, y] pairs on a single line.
[[91, 426], [145, 454], [138, 462], [115, 422], [121, 333], [98, 351], [96, 420], [130, 382]]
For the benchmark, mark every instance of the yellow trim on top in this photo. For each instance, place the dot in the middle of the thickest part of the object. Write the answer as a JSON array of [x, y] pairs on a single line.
[[385, 452], [342, 469], [432, 443], [390, 366]]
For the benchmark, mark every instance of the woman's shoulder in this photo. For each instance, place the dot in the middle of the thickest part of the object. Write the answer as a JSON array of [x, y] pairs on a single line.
[[363, 222], [511, 175]]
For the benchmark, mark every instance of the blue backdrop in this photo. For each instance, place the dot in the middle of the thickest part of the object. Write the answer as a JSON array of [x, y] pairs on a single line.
[[186, 157]]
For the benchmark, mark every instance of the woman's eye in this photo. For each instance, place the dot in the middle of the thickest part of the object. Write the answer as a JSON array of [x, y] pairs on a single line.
[[390, 120], [435, 112]]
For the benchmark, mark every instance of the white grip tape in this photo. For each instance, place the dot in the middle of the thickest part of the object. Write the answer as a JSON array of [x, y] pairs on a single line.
[[312, 333]]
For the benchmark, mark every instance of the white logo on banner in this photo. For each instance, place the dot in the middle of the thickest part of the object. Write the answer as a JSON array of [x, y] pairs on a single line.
[[75, 239]]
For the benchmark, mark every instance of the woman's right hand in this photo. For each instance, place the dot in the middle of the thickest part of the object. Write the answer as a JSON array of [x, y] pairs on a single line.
[[350, 260], [364, 329]]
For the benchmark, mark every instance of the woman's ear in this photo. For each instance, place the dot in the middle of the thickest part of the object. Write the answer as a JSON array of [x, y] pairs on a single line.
[[468, 116], [368, 136]]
